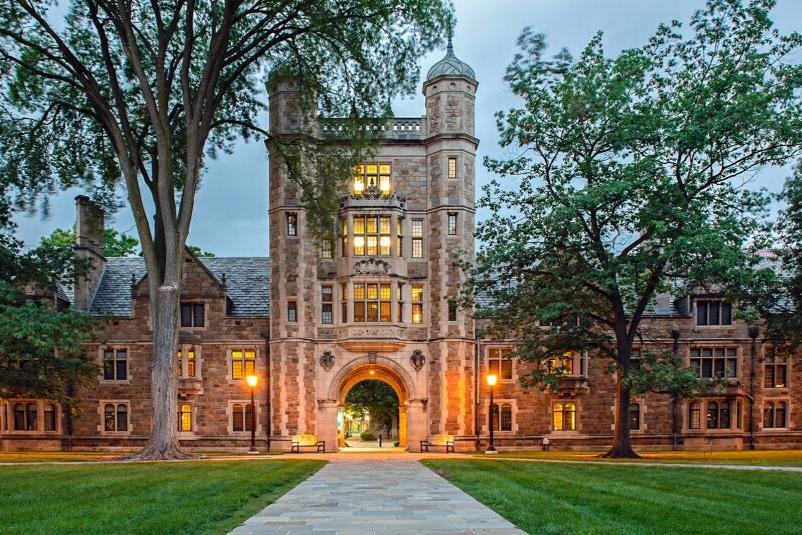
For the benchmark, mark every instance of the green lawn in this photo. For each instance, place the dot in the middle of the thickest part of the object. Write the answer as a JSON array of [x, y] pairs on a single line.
[[146, 498], [751, 457], [547, 498]]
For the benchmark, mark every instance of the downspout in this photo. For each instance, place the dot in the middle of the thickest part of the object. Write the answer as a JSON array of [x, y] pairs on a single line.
[[675, 334], [68, 415], [268, 389], [477, 354], [753, 333]]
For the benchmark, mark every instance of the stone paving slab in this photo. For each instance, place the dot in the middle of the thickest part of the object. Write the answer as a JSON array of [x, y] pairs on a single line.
[[372, 497]]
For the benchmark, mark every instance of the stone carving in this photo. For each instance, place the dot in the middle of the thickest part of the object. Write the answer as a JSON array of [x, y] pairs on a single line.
[[372, 358], [418, 359], [372, 266], [327, 360]]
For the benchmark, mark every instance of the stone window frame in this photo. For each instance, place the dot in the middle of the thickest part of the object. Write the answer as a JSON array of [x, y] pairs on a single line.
[[775, 400], [455, 158], [7, 417], [487, 358], [415, 304], [330, 303], [294, 308], [291, 222], [577, 421], [643, 409], [361, 172], [455, 216], [197, 349], [230, 417], [499, 402], [194, 302], [713, 346], [786, 362], [115, 347], [707, 300], [101, 426], [193, 416], [229, 360], [417, 239]]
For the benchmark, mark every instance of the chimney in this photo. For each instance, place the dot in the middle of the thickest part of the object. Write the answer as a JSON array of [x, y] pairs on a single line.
[[89, 244]]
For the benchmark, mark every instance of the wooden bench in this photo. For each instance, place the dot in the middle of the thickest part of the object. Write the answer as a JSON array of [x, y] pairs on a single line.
[[307, 441], [446, 441]]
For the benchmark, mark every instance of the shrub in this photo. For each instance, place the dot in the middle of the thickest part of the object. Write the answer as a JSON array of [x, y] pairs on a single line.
[[367, 436]]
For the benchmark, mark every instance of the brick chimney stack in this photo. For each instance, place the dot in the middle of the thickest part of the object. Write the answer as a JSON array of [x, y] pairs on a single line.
[[89, 244]]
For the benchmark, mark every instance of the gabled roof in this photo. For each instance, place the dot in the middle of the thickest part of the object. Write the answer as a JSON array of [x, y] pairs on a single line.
[[247, 284]]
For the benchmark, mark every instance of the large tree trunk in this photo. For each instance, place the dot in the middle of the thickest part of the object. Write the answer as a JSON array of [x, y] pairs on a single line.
[[622, 446], [163, 440]]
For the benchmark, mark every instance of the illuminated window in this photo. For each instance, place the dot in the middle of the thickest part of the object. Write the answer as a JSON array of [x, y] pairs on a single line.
[[344, 237], [713, 312], [775, 414], [563, 365], [242, 416], [452, 223], [188, 356], [499, 362], [372, 302], [185, 417], [292, 311], [50, 417], [115, 364], [417, 303], [327, 305], [715, 362], [400, 298], [563, 416], [634, 416], [417, 238], [243, 363], [292, 224], [775, 371], [326, 249], [372, 177], [115, 417], [343, 303], [502, 421], [694, 415], [372, 235], [452, 167], [193, 315]]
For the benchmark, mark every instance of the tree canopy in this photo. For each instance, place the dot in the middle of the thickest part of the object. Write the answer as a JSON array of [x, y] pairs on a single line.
[[627, 181]]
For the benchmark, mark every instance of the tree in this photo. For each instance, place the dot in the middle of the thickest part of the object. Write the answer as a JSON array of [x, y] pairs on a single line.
[[375, 398], [115, 243], [137, 93], [629, 182], [197, 251]]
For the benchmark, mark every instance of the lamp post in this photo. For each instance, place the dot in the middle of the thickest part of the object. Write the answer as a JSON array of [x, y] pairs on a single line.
[[252, 380], [491, 382]]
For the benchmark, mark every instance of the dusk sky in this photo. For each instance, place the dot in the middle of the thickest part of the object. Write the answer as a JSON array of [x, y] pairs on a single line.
[[231, 211]]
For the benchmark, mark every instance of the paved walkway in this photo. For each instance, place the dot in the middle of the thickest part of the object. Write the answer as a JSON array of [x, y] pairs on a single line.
[[372, 497]]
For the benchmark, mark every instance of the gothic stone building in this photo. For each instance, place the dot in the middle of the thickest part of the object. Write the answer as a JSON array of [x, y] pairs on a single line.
[[315, 320]]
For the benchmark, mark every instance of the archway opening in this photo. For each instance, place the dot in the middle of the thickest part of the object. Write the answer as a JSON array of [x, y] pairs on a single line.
[[371, 415]]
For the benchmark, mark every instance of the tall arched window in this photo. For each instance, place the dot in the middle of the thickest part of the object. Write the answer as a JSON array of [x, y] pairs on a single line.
[[775, 414], [494, 417], [634, 416], [122, 417], [238, 416], [712, 415], [564, 417], [50, 417], [108, 418], [19, 417], [185, 417], [30, 410], [506, 417], [248, 416], [724, 415], [694, 415]]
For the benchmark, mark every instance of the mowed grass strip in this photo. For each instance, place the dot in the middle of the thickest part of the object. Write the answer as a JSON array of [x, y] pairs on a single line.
[[594, 499], [146, 498], [746, 457]]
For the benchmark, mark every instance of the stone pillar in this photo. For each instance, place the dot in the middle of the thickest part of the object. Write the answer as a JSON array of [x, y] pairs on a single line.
[[327, 423], [416, 424], [402, 426]]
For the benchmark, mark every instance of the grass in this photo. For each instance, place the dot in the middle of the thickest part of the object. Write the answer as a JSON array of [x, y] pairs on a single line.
[[547, 498], [142, 498], [58, 456], [748, 457]]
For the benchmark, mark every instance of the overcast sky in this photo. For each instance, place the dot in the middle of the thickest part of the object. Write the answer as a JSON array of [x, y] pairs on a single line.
[[231, 210]]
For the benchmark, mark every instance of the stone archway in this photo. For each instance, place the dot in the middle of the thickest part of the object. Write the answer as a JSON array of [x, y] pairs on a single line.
[[411, 415]]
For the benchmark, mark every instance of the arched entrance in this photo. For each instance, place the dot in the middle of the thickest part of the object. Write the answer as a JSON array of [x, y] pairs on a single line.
[[411, 415], [371, 414]]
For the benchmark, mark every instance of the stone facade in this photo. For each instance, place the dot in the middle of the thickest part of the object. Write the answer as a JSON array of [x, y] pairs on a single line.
[[318, 321]]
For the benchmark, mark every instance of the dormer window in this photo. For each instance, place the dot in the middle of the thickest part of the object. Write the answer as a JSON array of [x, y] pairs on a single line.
[[192, 315], [374, 177], [713, 312]]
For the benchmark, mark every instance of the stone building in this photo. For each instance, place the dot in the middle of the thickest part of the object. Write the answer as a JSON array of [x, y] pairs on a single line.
[[318, 319]]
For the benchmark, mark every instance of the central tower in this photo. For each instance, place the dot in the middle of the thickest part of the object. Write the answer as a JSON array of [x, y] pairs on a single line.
[[375, 303]]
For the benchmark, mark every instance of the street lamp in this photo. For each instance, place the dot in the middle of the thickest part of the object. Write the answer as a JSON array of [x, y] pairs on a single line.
[[252, 380], [491, 382]]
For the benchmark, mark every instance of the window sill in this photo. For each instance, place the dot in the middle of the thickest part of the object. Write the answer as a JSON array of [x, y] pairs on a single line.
[[116, 433], [115, 381]]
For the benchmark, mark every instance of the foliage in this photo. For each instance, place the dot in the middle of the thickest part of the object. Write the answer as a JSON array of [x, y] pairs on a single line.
[[367, 436], [200, 253], [628, 182], [206, 498], [586, 499], [376, 398]]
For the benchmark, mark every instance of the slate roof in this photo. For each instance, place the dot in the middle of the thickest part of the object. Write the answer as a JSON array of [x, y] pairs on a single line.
[[247, 284], [450, 65]]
